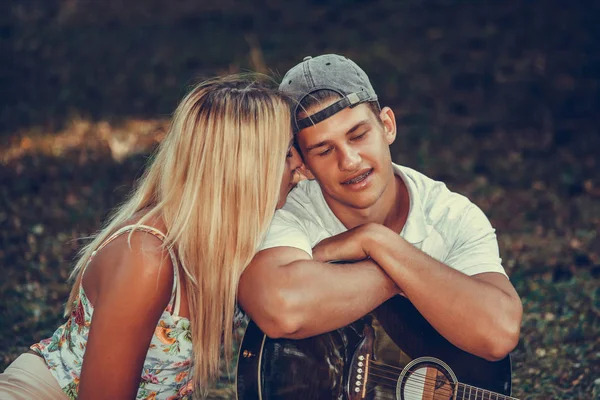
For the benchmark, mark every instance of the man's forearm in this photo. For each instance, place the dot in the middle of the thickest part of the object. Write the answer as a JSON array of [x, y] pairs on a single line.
[[305, 297], [480, 314]]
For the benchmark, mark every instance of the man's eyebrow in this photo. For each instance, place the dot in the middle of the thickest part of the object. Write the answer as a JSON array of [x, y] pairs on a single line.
[[357, 125], [351, 130], [314, 146]]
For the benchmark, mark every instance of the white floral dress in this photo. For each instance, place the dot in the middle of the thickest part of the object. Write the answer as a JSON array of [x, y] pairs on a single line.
[[167, 370]]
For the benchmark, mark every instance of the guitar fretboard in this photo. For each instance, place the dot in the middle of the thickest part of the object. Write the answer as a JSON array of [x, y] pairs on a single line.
[[468, 392]]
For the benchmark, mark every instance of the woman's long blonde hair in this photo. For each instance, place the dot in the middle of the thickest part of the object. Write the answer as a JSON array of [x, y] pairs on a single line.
[[215, 182]]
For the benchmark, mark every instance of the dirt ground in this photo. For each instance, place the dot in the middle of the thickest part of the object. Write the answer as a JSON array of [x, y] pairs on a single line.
[[498, 99]]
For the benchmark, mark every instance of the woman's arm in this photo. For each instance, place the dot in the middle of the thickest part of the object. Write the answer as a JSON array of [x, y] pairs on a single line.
[[129, 288]]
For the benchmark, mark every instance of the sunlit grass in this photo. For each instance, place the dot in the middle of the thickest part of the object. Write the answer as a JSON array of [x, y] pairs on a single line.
[[131, 137]]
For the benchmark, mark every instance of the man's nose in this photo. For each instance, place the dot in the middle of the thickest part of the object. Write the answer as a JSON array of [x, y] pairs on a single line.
[[349, 159]]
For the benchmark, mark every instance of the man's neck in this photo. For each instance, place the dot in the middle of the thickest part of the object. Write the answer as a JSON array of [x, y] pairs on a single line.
[[398, 213], [391, 209]]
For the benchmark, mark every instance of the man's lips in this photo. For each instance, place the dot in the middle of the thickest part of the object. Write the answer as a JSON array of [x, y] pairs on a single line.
[[357, 178]]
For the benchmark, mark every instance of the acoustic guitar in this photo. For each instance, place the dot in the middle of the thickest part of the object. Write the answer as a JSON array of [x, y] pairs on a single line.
[[391, 353]]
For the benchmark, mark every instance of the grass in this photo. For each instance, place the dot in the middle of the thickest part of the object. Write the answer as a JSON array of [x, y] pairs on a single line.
[[496, 99]]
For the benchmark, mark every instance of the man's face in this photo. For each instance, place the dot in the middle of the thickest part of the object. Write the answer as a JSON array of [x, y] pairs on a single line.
[[348, 154], [291, 176]]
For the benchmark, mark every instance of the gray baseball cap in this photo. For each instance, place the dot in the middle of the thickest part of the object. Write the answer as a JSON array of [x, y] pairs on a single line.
[[327, 72]]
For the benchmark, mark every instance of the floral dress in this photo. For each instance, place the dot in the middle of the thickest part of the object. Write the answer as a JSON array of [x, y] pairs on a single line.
[[167, 371]]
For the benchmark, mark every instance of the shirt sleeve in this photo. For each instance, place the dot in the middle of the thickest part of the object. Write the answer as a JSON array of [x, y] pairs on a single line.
[[287, 230], [475, 248]]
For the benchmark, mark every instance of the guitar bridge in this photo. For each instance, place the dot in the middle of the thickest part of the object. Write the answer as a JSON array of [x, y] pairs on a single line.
[[358, 376]]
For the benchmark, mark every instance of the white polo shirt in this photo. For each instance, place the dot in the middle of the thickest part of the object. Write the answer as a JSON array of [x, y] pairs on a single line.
[[443, 224]]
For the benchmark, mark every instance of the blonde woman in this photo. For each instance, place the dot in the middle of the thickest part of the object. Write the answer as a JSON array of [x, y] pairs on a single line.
[[154, 295]]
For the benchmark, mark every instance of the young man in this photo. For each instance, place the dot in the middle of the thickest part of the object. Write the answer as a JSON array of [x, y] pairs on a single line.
[[411, 234]]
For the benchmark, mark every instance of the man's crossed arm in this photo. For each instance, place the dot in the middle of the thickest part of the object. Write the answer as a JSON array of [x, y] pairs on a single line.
[[288, 294]]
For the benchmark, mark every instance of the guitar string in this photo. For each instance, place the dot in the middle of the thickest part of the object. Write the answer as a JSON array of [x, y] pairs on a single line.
[[387, 367], [418, 390], [415, 388], [388, 394], [449, 393], [478, 396], [382, 367], [392, 393], [416, 382], [411, 387], [419, 378], [408, 390], [414, 392], [502, 396]]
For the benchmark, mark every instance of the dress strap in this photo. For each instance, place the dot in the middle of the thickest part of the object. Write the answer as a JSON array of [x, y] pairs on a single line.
[[174, 302]]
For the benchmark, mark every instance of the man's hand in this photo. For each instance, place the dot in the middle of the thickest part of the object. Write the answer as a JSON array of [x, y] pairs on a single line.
[[447, 298], [346, 246]]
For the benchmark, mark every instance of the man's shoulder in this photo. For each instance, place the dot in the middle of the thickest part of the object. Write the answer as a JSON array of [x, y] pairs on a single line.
[[302, 222], [428, 190], [305, 199], [415, 178], [456, 220], [433, 196]]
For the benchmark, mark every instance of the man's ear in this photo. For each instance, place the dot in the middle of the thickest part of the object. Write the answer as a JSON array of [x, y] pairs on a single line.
[[389, 123], [305, 172]]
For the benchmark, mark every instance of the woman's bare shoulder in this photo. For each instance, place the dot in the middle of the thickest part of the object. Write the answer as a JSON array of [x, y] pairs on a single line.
[[137, 258]]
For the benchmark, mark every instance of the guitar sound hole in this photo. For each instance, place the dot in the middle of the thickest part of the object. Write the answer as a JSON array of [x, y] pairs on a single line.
[[426, 379]]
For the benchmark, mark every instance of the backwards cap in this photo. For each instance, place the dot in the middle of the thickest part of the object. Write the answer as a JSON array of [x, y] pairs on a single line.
[[327, 72]]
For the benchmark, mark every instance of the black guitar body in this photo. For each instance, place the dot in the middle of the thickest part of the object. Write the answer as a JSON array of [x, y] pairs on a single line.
[[385, 354]]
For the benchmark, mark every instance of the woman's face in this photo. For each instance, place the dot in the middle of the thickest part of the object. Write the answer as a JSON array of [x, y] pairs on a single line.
[[291, 175]]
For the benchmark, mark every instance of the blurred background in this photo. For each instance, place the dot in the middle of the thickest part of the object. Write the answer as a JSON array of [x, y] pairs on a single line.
[[499, 99]]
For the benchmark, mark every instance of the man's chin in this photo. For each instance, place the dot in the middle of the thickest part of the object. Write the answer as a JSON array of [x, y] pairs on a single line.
[[361, 201]]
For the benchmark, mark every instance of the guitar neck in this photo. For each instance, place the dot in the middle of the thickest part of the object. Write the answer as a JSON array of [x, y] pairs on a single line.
[[468, 392]]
